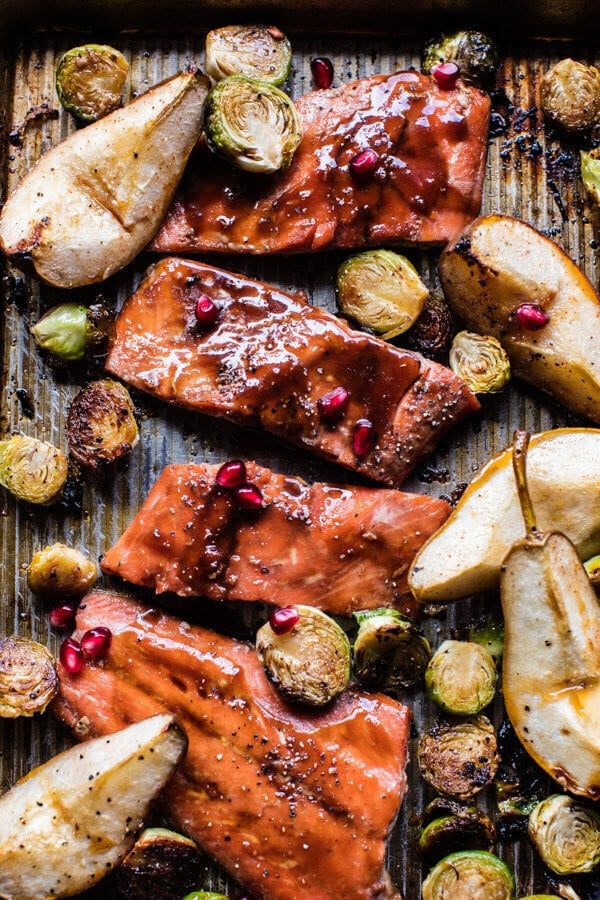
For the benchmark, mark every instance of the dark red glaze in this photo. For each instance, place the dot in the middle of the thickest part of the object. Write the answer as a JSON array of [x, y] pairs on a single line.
[[62, 616], [322, 72], [446, 75], [363, 437], [283, 620], [296, 804], [432, 145], [363, 165], [272, 358], [334, 404], [207, 312], [71, 656], [531, 316], [249, 497], [95, 643], [232, 474]]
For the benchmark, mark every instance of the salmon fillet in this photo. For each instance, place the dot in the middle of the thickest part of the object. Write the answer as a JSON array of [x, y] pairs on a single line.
[[338, 548], [269, 360], [296, 805], [427, 186]]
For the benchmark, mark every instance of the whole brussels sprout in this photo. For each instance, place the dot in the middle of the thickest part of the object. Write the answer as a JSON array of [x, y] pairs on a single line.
[[481, 362], [590, 173], [389, 650], [70, 331], [459, 757], [469, 875], [432, 333], [256, 51], [570, 94], [473, 52], [90, 80], [205, 895], [461, 678], [60, 570], [489, 632], [566, 834], [32, 470], [28, 679]]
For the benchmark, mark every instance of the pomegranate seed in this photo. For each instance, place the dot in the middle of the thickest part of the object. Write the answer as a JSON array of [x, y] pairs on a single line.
[[322, 71], [62, 616], [249, 497], [95, 642], [231, 474], [363, 438], [333, 406], [445, 75], [532, 316], [71, 656], [364, 163], [284, 619], [207, 312]]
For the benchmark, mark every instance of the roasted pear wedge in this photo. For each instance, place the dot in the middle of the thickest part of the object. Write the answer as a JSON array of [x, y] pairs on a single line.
[[94, 201], [465, 555], [505, 279], [69, 822], [551, 670]]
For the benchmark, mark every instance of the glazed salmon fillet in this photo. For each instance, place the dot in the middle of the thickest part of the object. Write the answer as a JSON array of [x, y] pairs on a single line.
[[296, 805], [426, 188], [271, 357], [338, 548]]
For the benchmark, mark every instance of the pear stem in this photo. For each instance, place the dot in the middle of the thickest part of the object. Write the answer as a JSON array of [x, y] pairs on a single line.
[[520, 447]]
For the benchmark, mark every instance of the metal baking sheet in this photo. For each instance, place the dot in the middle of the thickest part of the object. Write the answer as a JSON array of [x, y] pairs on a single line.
[[529, 174]]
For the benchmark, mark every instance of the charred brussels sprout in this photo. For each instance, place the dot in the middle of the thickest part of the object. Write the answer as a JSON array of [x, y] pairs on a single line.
[[516, 796], [433, 331], [101, 425], [481, 362], [90, 80], [256, 51], [70, 332], [467, 828], [310, 663], [570, 94], [590, 173], [59, 570], [592, 567], [252, 124], [32, 470], [162, 865], [469, 875], [566, 834], [473, 52], [489, 632], [382, 291], [28, 679], [459, 758], [389, 650], [461, 678]]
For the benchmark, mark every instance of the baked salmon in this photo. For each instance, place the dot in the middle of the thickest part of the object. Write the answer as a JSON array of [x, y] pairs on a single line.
[[269, 360], [425, 189], [296, 804], [339, 548]]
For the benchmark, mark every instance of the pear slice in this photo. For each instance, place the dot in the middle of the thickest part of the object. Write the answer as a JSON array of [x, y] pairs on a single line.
[[465, 555], [551, 669], [93, 202], [69, 822]]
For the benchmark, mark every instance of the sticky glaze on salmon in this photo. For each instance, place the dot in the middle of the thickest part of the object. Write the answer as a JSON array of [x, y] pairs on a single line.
[[296, 805], [426, 188], [269, 360], [338, 548]]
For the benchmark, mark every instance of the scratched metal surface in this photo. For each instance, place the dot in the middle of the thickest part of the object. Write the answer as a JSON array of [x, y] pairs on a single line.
[[523, 179]]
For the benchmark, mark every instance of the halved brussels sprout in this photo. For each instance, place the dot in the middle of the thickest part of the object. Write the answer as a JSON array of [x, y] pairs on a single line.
[[433, 331], [32, 470], [469, 875], [382, 291], [256, 51], [489, 632], [590, 173], [28, 679], [465, 829], [516, 797], [310, 663], [461, 677], [90, 80], [205, 895], [566, 834], [481, 362], [592, 567], [570, 94], [161, 865], [473, 52], [389, 650], [59, 570], [71, 331], [101, 425], [459, 758], [252, 124]]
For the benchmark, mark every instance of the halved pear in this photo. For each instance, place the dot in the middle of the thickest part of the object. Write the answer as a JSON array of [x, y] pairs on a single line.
[[465, 555], [93, 202], [66, 824]]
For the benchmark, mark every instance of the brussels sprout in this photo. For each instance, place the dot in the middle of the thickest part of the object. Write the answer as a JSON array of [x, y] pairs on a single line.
[[162, 865], [90, 80], [570, 94], [32, 470], [461, 677], [101, 425], [592, 567], [59, 570], [469, 875], [516, 797], [389, 651], [28, 679], [480, 361], [252, 124], [474, 53], [566, 834], [310, 663], [433, 331], [205, 895], [590, 173], [70, 331], [382, 291], [541, 897], [256, 51], [465, 829], [489, 632], [460, 757]]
